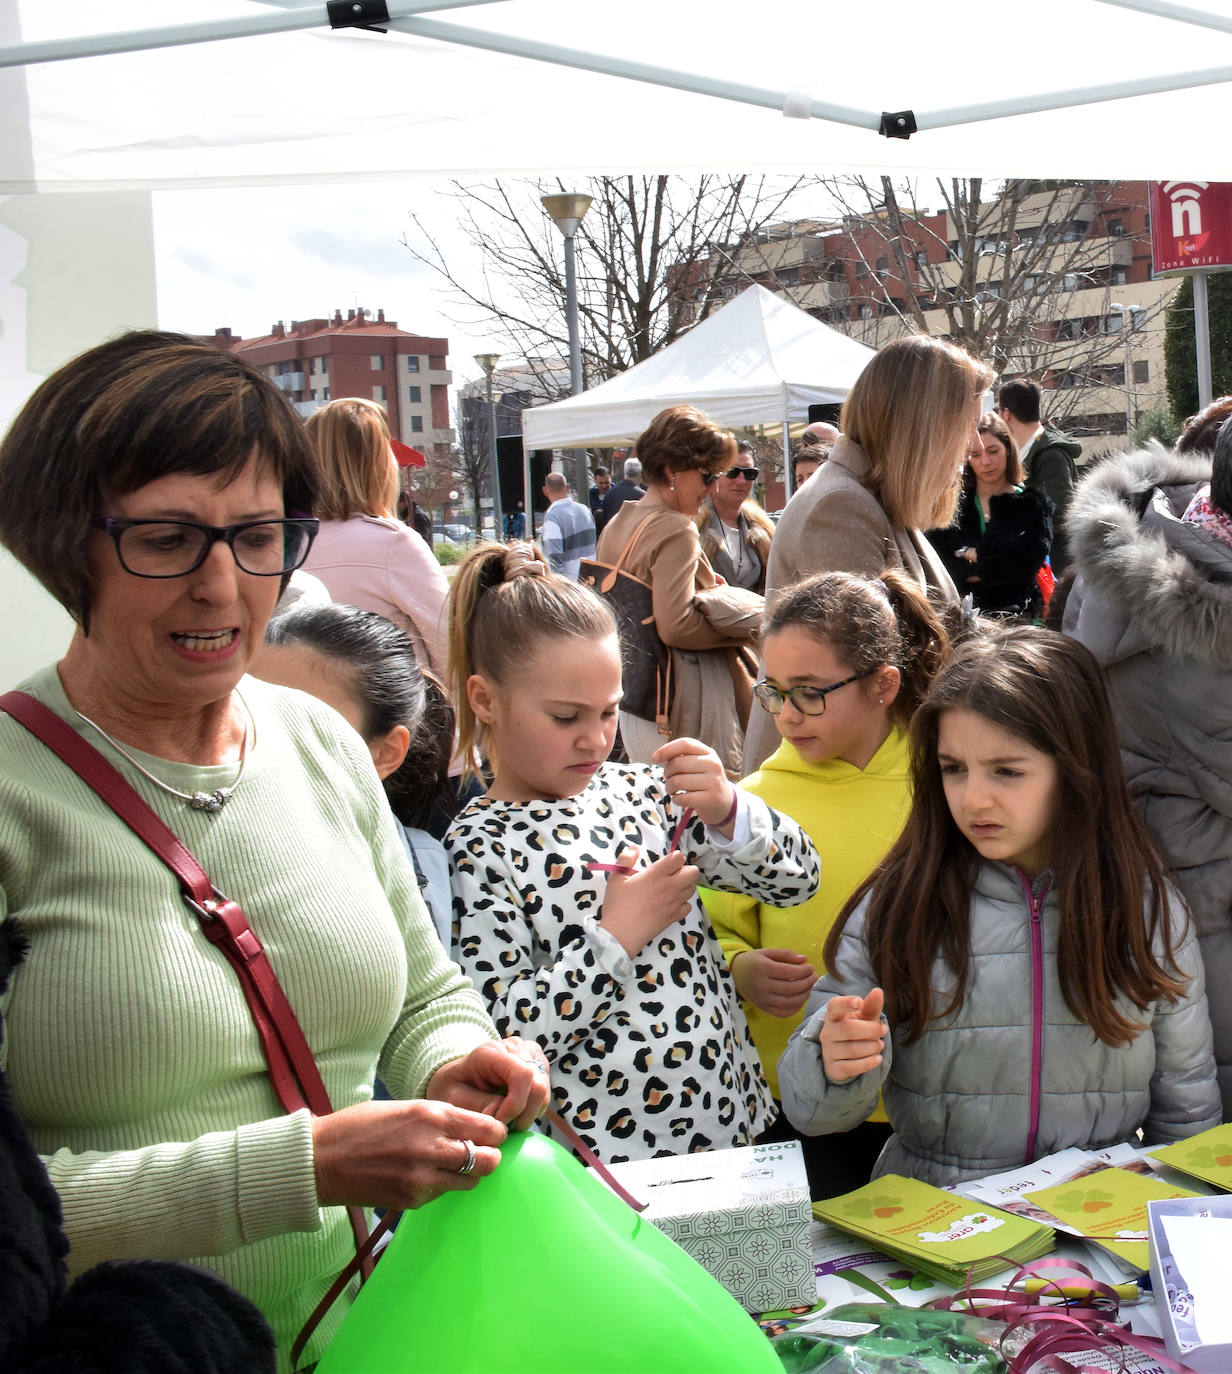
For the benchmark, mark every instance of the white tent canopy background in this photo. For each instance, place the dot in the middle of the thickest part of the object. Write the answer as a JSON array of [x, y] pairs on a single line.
[[460, 93], [758, 360]]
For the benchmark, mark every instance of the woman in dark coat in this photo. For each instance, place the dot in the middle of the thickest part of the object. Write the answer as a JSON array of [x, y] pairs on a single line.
[[1002, 531]]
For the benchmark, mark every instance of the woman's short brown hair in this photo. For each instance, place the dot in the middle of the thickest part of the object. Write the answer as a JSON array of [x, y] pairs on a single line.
[[912, 412], [683, 437], [359, 475], [125, 413]]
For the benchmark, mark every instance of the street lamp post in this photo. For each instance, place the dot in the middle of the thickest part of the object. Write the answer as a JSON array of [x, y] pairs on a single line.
[[1129, 315], [567, 212], [488, 362]]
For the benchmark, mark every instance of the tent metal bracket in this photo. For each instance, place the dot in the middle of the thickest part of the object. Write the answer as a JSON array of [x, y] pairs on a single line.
[[358, 14], [897, 124]]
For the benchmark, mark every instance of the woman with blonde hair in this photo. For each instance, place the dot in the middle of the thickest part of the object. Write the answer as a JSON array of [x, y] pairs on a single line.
[[363, 554], [908, 425], [706, 625]]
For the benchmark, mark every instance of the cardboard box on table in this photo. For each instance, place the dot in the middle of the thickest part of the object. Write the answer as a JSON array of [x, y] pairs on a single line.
[[1176, 1325], [742, 1214]]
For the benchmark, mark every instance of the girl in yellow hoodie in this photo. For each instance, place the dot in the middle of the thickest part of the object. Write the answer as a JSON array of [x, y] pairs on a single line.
[[847, 661]]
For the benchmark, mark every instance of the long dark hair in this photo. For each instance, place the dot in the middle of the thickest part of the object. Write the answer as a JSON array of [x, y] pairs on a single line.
[[1048, 690], [378, 663]]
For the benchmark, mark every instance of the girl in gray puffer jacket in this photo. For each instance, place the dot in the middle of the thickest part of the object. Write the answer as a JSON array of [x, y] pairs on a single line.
[[1040, 982]]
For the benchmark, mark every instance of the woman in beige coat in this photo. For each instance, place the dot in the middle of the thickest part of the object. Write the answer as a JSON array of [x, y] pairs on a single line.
[[707, 625], [908, 425]]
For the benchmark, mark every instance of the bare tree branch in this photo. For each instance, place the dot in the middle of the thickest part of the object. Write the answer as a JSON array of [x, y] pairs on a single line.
[[644, 255]]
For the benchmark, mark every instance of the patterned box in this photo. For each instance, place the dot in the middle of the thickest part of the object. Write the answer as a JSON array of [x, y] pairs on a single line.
[[742, 1214]]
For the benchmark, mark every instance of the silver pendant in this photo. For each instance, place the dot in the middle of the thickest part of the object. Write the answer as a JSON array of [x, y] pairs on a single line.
[[210, 801]]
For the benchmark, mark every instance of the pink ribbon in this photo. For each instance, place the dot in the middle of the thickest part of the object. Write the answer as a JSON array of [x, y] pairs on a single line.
[[626, 870], [1069, 1326]]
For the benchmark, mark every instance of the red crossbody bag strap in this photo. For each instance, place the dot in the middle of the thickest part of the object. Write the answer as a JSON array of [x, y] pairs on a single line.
[[292, 1068]]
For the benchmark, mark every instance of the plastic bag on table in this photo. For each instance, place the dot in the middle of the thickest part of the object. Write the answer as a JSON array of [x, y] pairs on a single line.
[[882, 1338]]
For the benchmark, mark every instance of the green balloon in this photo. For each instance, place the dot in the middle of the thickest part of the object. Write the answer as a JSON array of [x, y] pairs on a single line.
[[541, 1270]]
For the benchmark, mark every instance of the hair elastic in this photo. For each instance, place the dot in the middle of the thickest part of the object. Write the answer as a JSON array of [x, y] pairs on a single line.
[[522, 560]]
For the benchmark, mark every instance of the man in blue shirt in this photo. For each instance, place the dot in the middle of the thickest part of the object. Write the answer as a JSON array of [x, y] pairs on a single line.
[[568, 533]]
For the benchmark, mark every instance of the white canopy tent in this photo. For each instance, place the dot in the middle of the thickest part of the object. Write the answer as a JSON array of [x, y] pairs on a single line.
[[1087, 88], [758, 360]]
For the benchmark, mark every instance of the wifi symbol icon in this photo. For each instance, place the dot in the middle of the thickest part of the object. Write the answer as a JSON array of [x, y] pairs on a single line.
[[1186, 199]]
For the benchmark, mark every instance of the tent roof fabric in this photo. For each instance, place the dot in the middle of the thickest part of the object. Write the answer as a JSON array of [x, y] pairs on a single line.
[[758, 360], [1097, 89]]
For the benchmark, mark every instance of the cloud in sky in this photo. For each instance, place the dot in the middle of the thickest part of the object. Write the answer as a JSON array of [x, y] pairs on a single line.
[[245, 259]]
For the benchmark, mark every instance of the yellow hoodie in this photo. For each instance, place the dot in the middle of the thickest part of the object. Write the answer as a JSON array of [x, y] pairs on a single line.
[[853, 816]]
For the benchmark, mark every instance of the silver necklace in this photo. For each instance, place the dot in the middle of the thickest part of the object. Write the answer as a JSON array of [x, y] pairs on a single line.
[[199, 801]]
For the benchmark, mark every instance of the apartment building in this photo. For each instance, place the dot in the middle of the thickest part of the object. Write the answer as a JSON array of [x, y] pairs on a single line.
[[1054, 282], [366, 355]]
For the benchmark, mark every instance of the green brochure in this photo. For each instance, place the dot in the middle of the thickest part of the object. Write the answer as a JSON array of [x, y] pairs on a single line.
[[1109, 1209], [941, 1234], [1207, 1155]]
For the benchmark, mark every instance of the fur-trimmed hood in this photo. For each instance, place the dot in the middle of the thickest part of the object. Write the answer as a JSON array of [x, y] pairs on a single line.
[[1147, 581]]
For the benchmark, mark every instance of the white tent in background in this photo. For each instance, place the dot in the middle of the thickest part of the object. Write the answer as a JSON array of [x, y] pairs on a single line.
[[758, 360]]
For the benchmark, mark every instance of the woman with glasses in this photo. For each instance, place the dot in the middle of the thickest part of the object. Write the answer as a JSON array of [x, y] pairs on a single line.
[[163, 491], [848, 659], [896, 470], [366, 556], [735, 531], [706, 625]]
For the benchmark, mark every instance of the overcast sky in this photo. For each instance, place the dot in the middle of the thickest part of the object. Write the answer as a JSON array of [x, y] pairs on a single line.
[[245, 259]]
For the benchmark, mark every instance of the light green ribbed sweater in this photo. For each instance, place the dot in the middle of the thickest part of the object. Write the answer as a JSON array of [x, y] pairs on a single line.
[[129, 1046]]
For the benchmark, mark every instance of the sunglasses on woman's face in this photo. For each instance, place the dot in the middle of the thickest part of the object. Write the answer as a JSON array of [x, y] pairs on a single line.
[[734, 474]]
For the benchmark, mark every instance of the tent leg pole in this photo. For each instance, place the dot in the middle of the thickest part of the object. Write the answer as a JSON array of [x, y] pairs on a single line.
[[788, 484], [528, 507]]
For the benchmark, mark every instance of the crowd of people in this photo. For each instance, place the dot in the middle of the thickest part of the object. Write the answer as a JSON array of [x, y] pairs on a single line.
[[892, 869]]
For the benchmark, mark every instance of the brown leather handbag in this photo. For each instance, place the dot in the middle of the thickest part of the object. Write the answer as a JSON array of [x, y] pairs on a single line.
[[645, 661]]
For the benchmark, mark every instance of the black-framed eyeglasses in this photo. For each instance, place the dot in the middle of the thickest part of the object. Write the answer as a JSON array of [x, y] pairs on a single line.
[[749, 474], [708, 478], [809, 701], [174, 548]]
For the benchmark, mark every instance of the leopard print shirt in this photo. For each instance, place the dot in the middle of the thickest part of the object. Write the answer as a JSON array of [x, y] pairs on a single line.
[[649, 1055]]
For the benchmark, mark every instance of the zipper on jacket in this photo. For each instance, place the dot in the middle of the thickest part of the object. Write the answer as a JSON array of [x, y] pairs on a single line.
[[1034, 905]]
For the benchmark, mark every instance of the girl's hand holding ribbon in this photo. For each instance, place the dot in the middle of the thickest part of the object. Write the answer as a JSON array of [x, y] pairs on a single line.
[[696, 779]]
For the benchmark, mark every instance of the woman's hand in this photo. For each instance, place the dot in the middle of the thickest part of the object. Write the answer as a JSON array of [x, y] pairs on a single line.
[[636, 908], [852, 1036], [695, 778], [506, 1079], [777, 981], [400, 1154]]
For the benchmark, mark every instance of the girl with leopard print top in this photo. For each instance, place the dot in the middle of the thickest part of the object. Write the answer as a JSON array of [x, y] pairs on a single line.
[[575, 910]]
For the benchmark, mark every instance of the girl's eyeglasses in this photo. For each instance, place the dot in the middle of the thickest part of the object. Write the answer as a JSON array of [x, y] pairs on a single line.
[[809, 701]]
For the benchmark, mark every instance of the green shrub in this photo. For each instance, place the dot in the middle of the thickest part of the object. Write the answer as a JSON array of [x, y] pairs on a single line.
[[447, 555]]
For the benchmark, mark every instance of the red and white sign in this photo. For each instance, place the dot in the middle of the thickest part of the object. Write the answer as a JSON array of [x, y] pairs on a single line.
[[1191, 226]]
